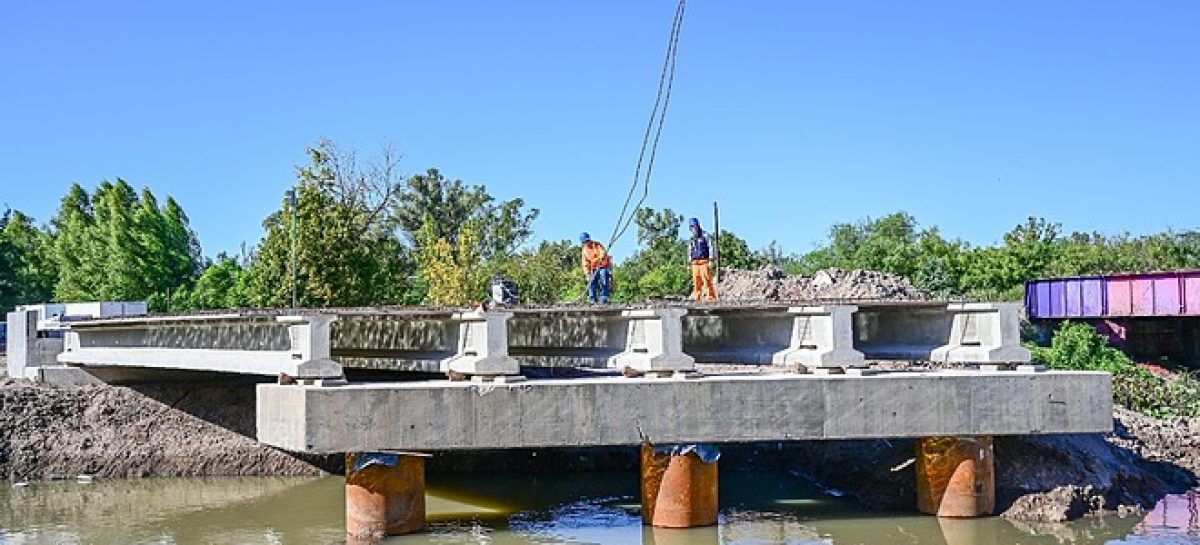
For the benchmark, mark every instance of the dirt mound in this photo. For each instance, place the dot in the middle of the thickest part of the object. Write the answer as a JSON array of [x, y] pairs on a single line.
[[771, 284], [111, 431], [1174, 441]]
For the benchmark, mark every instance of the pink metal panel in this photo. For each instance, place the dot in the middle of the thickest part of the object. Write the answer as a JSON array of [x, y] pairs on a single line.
[[1120, 296], [1191, 294], [1143, 296], [1166, 296]]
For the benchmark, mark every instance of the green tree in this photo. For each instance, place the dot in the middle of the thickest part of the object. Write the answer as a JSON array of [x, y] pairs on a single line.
[[76, 249], [222, 285], [660, 266], [450, 204], [546, 274], [27, 272], [346, 249], [735, 253], [451, 270], [1000, 272], [117, 245]]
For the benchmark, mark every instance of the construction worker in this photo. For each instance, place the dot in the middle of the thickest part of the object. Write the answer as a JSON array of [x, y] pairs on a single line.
[[597, 265], [702, 280]]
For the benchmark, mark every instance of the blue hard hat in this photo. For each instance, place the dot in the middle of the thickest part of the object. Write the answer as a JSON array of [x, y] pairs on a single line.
[[584, 237], [694, 222]]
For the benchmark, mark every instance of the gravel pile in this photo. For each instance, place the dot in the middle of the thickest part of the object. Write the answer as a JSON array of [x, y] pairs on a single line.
[[771, 284]]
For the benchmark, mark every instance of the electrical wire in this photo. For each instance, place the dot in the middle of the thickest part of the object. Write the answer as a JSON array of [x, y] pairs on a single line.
[[658, 115]]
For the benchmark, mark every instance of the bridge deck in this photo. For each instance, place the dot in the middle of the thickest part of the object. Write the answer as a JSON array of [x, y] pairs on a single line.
[[443, 415]]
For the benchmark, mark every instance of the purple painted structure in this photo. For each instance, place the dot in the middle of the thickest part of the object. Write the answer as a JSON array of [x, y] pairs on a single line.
[[1174, 293]]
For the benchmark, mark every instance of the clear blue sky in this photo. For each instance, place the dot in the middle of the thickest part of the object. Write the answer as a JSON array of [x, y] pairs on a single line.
[[793, 114]]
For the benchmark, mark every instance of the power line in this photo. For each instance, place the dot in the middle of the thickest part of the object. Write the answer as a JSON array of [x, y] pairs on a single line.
[[658, 116]]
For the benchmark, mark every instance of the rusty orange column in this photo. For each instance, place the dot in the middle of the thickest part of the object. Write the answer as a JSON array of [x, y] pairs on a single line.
[[956, 476], [678, 491], [382, 499]]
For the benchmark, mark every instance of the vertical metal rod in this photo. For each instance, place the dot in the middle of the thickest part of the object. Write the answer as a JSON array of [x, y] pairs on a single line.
[[716, 242], [291, 195]]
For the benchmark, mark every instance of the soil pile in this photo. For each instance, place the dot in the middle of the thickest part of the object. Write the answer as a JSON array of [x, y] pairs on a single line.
[[771, 284], [114, 431], [1169, 442]]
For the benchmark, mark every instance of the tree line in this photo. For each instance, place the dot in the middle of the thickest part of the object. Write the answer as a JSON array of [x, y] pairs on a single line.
[[360, 234]]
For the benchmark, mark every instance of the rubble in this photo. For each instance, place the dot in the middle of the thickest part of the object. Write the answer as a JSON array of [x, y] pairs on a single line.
[[771, 284]]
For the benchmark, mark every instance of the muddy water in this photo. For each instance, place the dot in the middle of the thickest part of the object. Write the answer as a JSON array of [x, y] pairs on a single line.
[[757, 508]]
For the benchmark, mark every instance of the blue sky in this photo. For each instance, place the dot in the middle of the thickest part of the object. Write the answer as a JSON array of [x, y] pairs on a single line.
[[793, 114]]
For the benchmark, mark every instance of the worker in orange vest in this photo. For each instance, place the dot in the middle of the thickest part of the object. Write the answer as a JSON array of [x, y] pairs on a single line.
[[597, 265], [702, 280]]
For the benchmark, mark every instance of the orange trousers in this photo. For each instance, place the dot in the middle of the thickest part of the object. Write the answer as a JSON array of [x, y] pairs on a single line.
[[702, 281]]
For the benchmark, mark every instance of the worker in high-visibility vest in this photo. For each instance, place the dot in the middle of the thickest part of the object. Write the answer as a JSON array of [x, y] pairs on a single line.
[[702, 278], [597, 265]]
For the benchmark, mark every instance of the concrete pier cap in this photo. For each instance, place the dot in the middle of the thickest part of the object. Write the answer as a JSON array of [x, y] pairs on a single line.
[[445, 415]]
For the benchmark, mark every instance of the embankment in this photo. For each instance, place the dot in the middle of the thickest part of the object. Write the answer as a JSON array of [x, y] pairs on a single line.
[[51, 432], [173, 430]]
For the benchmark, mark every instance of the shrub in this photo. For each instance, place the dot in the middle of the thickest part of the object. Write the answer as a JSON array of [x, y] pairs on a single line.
[[1077, 347]]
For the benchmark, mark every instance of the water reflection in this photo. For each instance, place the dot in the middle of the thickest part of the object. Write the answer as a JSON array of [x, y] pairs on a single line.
[[757, 508], [1175, 515]]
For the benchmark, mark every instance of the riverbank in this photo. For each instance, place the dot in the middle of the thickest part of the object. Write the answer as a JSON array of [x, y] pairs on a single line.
[[49, 432], [207, 429]]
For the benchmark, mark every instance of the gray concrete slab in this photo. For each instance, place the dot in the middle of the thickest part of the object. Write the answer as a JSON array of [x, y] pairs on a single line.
[[442, 415]]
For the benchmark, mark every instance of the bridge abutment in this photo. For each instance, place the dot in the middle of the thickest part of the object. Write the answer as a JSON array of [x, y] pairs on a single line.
[[956, 476], [385, 494], [678, 490]]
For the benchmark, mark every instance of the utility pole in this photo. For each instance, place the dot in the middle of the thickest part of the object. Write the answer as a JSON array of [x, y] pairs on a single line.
[[716, 250], [291, 197]]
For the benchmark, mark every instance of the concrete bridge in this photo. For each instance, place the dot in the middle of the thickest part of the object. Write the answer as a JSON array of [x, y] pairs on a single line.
[[319, 344], [818, 386]]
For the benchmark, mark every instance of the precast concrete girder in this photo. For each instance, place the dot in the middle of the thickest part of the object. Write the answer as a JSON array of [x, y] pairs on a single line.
[[296, 345]]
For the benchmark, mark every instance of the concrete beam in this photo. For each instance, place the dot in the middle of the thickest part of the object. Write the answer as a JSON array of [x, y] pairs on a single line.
[[296, 345], [646, 340], [949, 332], [557, 413]]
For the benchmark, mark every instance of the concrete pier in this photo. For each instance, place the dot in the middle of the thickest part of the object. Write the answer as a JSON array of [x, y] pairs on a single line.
[[956, 476], [385, 495], [678, 490]]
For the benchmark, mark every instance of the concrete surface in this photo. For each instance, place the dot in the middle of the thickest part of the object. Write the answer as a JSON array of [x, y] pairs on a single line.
[[296, 345], [442, 415], [27, 348]]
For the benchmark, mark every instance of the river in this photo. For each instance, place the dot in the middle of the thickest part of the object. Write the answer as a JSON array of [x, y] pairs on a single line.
[[756, 508]]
